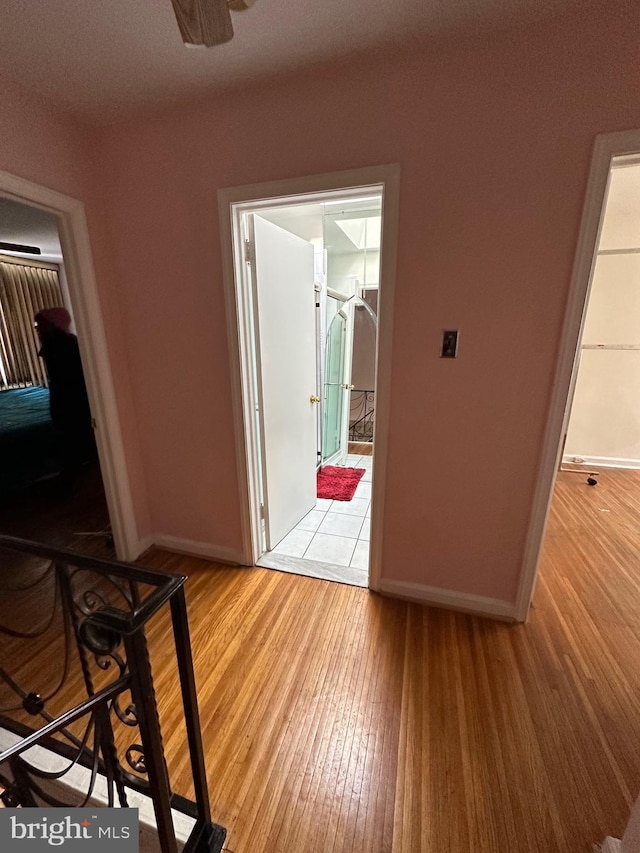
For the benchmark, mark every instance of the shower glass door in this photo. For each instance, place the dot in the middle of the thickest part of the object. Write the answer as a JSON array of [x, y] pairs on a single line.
[[333, 384]]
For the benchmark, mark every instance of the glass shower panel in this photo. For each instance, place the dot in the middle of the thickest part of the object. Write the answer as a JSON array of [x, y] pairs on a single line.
[[333, 390]]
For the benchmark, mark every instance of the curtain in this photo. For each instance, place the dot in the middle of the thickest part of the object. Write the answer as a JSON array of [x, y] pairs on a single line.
[[24, 290]]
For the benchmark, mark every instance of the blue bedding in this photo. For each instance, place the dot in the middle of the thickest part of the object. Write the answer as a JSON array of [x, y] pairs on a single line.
[[27, 442]]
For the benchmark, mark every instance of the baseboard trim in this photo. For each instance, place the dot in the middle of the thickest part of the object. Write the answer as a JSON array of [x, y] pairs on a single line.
[[198, 549], [141, 546], [599, 462], [477, 605]]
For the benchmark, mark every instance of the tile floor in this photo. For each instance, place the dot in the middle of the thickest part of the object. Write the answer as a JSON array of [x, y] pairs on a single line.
[[336, 533]]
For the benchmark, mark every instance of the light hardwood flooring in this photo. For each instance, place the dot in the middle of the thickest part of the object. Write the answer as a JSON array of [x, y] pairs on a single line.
[[337, 721], [361, 448]]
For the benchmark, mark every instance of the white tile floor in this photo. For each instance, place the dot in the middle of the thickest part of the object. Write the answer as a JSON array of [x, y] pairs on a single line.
[[336, 532]]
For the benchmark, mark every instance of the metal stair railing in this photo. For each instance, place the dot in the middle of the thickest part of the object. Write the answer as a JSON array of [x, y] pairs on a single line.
[[361, 415], [84, 673]]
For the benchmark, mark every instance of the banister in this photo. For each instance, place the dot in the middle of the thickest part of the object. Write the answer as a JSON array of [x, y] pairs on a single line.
[[99, 611]]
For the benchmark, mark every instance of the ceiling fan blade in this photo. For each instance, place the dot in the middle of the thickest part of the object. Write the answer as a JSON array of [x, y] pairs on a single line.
[[203, 22]]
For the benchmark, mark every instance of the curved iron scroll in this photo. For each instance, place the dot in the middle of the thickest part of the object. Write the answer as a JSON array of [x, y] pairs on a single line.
[[93, 694], [361, 415]]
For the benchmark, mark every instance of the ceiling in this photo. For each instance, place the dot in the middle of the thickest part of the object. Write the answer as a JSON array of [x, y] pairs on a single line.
[[316, 222], [103, 60]]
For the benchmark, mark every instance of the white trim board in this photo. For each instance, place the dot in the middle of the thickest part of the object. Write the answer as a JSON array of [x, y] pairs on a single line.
[[144, 545], [85, 305], [314, 569], [315, 187], [599, 462], [476, 605], [606, 147], [219, 554]]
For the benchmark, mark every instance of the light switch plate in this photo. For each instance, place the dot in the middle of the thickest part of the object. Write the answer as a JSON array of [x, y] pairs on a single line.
[[449, 343]]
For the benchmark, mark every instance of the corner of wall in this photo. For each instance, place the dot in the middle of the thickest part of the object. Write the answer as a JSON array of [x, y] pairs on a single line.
[[476, 605]]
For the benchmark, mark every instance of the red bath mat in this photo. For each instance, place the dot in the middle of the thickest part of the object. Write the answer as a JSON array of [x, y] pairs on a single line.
[[338, 484]]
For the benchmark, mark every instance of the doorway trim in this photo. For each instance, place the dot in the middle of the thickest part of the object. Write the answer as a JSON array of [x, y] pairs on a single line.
[[388, 177], [83, 295], [607, 146]]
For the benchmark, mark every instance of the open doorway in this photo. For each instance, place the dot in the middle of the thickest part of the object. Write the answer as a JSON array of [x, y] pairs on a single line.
[[51, 488], [83, 300], [603, 429], [306, 299], [590, 472]]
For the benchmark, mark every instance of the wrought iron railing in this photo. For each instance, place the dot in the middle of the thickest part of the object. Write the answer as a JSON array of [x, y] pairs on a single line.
[[76, 678], [361, 415]]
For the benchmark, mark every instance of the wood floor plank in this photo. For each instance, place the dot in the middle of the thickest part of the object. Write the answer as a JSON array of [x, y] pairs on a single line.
[[338, 721]]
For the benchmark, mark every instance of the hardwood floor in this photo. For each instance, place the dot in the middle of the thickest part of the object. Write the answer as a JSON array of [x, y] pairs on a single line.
[[335, 720], [363, 448]]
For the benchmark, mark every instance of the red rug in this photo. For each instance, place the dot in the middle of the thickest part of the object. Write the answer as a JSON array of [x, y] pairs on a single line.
[[338, 484]]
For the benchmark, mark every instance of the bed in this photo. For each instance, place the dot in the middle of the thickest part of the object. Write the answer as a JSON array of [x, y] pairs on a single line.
[[27, 444]]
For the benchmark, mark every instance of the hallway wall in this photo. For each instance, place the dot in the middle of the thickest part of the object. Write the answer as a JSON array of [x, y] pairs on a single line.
[[493, 135], [494, 138], [45, 145]]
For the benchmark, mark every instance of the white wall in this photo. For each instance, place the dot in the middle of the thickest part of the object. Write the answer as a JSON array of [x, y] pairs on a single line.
[[604, 427], [364, 266]]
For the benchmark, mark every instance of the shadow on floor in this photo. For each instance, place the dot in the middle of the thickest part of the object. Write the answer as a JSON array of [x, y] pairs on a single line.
[[61, 517]]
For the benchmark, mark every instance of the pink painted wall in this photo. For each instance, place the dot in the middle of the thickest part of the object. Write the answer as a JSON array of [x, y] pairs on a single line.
[[41, 143], [493, 136]]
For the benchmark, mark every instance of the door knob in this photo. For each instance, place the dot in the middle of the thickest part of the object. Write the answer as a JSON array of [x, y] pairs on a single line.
[[314, 399]]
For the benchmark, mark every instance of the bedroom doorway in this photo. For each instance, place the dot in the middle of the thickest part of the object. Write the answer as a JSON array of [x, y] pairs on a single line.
[[81, 290], [304, 265], [592, 422], [51, 489]]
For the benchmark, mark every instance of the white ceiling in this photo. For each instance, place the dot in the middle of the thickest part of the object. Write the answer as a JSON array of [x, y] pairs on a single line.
[[316, 222], [104, 58]]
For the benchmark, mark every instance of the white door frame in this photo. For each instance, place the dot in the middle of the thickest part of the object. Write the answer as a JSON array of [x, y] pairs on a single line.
[[606, 148], [232, 202], [83, 294]]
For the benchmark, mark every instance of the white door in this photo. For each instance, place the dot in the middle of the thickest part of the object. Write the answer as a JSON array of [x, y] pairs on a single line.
[[285, 328]]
